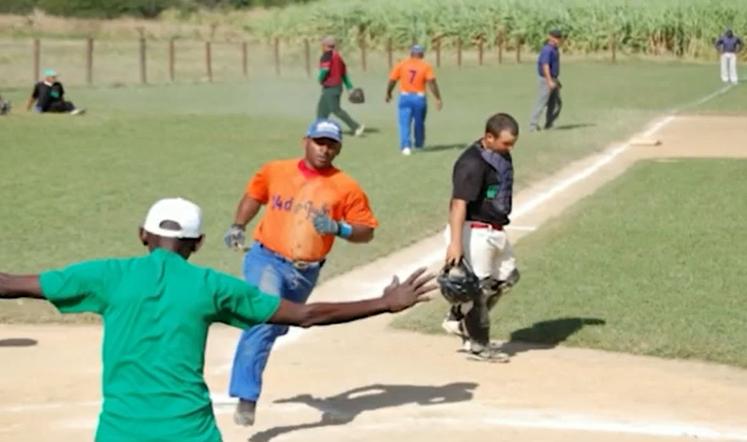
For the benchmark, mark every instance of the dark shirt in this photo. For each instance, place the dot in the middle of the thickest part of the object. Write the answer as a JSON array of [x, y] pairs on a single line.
[[332, 61], [549, 55], [729, 44], [488, 191], [46, 95]]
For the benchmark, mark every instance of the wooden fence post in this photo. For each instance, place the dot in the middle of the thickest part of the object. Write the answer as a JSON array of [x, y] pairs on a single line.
[[244, 59], [389, 51], [364, 65], [518, 49], [613, 47], [438, 53], [143, 76], [480, 43], [172, 59], [276, 55], [37, 57], [89, 60], [499, 44], [459, 52], [209, 61], [307, 56]]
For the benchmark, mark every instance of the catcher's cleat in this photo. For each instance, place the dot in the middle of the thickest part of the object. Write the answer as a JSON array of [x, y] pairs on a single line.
[[453, 327], [489, 354]]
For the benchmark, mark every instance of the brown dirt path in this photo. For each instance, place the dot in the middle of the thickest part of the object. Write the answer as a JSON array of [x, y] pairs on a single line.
[[367, 382]]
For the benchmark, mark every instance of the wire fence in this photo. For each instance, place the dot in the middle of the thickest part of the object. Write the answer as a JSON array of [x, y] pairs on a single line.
[[149, 61]]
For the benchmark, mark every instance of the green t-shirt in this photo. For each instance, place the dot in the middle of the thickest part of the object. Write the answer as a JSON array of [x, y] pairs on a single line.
[[156, 311]]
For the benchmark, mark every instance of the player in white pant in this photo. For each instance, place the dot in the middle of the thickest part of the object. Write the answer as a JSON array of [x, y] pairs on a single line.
[[480, 206], [729, 46]]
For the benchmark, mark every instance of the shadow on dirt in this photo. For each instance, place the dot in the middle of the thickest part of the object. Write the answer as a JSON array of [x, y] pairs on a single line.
[[18, 342], [343, 408], [544, 335]]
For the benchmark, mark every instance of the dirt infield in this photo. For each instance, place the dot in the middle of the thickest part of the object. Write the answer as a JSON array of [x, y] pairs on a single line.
[[367, 382]]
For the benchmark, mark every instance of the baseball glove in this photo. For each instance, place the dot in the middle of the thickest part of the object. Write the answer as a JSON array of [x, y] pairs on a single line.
[[357, 96]]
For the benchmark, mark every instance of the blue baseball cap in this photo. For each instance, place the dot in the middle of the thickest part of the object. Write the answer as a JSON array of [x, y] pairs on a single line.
[[325, 129], [417, 49], [49, 72]]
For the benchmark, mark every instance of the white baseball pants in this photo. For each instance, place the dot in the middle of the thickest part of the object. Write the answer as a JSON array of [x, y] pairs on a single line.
[[729, 67], [487, 250]]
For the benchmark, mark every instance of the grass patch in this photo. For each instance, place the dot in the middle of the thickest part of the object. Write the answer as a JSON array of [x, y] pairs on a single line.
[[655, 254], [76, 188], [733, 102]]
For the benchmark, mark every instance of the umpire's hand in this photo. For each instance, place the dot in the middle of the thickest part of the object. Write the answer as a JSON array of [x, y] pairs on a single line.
[[235, 237], [401, 296]]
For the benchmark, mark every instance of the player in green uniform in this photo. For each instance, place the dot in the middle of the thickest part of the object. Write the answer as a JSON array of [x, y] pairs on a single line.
[[156, 312]]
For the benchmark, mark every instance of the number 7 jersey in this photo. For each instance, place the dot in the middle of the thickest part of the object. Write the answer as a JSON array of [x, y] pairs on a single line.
[[412, 74]]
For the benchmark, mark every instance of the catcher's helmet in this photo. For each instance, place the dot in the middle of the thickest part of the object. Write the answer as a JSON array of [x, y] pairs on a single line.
[[459, 283], [357, 96]]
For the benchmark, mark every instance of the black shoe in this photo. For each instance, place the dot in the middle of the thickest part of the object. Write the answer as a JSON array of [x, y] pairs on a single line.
[[244, 413]]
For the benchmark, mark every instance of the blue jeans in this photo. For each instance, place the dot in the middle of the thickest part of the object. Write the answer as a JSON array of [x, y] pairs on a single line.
[[412, 107], [275, 276]]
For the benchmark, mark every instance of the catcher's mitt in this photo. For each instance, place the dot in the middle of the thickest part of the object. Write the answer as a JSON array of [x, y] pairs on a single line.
[[459, 283], [357, 96]]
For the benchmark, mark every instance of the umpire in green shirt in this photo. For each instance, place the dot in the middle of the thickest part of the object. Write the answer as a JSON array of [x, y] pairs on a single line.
[[156, 313], [332, 75]]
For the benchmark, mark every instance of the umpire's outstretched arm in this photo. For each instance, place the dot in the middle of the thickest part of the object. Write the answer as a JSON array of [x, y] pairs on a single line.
[[397, 297], [20, 286]]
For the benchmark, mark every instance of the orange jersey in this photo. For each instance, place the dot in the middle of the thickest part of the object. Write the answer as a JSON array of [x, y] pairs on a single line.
[[412, 74], [293, 194]]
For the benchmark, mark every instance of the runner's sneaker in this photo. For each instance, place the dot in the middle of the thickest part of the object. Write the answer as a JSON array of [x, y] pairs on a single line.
[[358, 132], [244, 414]]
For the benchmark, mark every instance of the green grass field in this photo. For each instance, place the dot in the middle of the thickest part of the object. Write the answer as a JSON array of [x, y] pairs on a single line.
[[76, 188], [734, 102], [655, 254]]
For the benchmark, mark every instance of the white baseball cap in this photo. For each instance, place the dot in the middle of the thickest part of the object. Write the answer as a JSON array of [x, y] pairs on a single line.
[[186, 214]]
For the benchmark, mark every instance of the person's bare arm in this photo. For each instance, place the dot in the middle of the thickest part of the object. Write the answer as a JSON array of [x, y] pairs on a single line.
[[396, 297], [246, 211], [30, 102], [433, 85], [20, 286], [548, 77], [361, 234], [390, 89], [457, 215]]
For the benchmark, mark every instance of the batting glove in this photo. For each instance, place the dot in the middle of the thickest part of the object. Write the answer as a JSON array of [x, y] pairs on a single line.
[[327, 226], [234, 237]]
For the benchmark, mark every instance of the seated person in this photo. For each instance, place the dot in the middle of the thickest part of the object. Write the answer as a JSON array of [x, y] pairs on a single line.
[[50, 96]]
